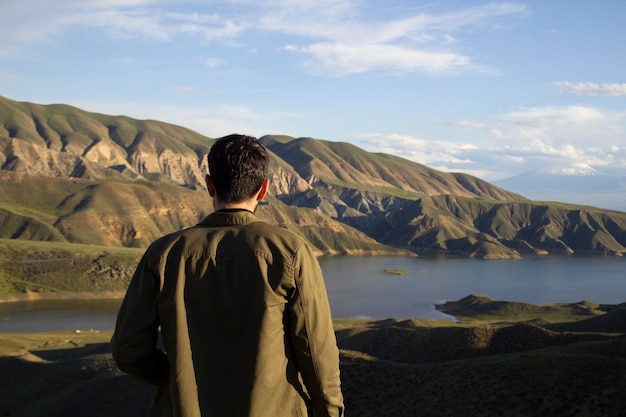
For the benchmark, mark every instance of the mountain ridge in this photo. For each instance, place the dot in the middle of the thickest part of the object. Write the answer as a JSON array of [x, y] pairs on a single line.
[[114, 180]]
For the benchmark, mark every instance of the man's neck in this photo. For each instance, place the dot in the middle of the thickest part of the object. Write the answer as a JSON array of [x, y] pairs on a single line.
[[249, 205], [233, 210]]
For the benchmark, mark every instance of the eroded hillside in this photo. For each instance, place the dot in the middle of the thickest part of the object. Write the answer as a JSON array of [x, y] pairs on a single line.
[[113, 180]]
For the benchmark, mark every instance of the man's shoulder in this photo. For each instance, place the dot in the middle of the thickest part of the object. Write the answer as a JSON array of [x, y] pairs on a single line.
[[197, 237], [271, 231], [166, 240]]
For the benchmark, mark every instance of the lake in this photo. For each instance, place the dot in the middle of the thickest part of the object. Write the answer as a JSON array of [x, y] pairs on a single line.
[[358, 287]]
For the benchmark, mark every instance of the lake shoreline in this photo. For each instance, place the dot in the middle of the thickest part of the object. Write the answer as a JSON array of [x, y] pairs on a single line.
[[68, 295]]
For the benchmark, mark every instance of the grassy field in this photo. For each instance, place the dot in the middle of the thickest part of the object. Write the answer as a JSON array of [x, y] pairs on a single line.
[[391, 367], [30, 269]]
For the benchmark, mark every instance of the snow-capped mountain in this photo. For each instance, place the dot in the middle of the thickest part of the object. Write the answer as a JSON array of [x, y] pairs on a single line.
[[576, 170], [576, 183]]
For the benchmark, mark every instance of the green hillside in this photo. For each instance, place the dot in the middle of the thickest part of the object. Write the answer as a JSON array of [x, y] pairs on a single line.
[[73, 176], [501, 366], [345, 165]]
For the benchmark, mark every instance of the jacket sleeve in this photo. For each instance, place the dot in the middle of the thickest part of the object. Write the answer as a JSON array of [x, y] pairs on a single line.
[[313, 337], [134, 342]]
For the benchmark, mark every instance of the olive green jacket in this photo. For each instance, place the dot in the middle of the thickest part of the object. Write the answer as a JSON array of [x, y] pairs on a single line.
[[244, 318]]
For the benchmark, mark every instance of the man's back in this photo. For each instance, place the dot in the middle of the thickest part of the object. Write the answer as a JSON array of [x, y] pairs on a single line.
[[244, 317]]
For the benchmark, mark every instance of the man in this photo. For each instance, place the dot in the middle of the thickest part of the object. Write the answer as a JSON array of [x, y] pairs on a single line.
[[241, 304]]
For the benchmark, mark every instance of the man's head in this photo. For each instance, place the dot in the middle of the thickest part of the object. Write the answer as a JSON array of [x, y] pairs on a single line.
[[237, 168]]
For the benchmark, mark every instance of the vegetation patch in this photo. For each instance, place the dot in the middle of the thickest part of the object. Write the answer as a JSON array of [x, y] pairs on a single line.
[[30, 267], [422, 367], [396, 271], [480, 307]]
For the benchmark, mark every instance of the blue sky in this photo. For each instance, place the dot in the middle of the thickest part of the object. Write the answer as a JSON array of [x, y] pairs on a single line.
[[493, 89]]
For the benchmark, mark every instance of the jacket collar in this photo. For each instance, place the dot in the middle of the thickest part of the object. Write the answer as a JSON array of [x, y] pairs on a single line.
[[229, 217]]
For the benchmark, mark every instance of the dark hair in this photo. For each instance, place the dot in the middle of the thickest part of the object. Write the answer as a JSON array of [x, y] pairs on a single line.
[[238, 167]]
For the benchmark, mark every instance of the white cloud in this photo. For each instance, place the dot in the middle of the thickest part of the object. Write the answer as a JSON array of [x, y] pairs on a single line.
[[161, 26], [556, 115], [24, 22], [349, 24], [515, 159], [419, 43], [342, 59], [448, 156], [212, 121], [468, 123], [416, 149], [180, 89], [518, 142], [336, 37], [214, 62], [592, 89], [533, 137], [578, 125]]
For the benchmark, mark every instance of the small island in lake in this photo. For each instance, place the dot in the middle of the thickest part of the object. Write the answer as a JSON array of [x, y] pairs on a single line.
[[499, 358], [396, 271]]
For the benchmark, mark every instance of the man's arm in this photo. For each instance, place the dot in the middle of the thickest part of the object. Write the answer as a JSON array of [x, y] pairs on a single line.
[[134, 342], [313, 337]]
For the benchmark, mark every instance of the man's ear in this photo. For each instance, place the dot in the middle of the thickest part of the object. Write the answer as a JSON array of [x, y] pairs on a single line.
[[263, 190], [209, 185]]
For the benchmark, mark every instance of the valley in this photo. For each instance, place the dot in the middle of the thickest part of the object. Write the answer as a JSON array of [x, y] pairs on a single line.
[[400, 367], [71, 176]]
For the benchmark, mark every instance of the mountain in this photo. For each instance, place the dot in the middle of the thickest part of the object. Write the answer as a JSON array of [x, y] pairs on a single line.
[[577, 183], [66, 142], [73, 176]]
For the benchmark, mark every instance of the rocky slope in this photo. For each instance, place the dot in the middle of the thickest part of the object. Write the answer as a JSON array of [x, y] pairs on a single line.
[[71, 175]]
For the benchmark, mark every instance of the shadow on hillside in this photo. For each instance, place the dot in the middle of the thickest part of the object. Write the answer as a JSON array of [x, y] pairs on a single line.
[[74, 353], [388, 368], [581, 379], [402, 342], [80, 381]]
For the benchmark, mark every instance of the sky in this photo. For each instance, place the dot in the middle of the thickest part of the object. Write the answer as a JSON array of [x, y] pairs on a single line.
[[493, 89]]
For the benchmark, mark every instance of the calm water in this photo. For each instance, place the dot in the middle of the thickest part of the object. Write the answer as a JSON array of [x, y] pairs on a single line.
[[358, 287]]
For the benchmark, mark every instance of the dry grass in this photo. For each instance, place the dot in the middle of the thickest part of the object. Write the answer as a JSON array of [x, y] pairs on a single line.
[[389, 368]]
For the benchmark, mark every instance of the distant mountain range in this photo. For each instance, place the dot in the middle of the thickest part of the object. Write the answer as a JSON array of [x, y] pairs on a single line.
[[73, 176], [578, 184]]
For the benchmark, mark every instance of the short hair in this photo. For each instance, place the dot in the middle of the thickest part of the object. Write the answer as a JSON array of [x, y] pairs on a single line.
[[238, 167]]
